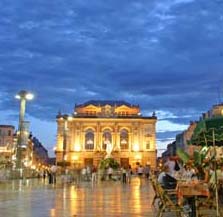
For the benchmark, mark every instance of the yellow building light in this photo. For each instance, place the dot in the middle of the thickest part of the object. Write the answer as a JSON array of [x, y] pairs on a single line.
[[33, 167], [69, 118], [135, 147], [75, 158], [65, 157], [77, 147], [138, 157]]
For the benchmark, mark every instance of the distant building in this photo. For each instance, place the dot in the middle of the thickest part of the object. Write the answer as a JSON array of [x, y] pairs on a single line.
[[215, 111], [170, 151], [183, 139], [96, 126], [40, 153], [6, 140]]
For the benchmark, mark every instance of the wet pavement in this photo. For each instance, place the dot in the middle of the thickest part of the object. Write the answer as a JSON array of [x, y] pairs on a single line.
[[34, 198]]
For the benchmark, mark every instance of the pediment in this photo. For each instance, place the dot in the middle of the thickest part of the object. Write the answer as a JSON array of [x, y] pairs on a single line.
[[91, 107], [122, 107]]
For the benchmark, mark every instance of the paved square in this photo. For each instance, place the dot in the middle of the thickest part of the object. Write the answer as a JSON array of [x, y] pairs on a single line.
[[34, 198]]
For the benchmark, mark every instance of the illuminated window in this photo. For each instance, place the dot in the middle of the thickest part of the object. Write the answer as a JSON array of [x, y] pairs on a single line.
[[124, 139], [147, 144], [89, 140], [107, 138]]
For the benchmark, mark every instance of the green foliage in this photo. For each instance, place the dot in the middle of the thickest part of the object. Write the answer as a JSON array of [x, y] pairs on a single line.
[[197, 158], [200, 156], [109, 162], [183, 155]]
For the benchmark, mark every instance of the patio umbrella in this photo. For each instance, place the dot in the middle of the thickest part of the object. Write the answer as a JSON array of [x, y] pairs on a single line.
[[209, 132]]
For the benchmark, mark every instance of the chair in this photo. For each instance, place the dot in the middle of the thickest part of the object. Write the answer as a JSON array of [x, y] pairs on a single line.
[[154, 186], [168, 203], [169, 182], [208, 203]]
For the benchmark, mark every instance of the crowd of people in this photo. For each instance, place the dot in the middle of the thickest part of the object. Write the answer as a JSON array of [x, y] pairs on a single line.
[[94, 174], [123, 173]]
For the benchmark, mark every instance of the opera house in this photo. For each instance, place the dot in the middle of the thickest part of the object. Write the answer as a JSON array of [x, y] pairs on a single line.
[[95, 126]]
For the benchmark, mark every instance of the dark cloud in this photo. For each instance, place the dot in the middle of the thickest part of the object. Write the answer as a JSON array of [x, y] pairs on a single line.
[[164, 55]]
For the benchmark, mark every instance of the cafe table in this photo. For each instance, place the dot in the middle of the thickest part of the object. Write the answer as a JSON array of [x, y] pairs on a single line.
[[191, 190]]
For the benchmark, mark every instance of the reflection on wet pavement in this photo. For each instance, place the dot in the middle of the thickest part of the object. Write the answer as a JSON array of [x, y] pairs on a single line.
[[34, 198]]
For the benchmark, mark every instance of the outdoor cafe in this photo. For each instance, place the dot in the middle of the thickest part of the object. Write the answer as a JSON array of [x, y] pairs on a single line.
[[190, 191]]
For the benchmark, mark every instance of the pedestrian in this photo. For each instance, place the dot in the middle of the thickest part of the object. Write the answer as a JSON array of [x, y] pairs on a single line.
[[147, 171], [124, 174], [129, 174], [140, 171], [88, 173], [44, 175], [94, 174], [53, 171], [110, 171], [83, 174], [49, 176]]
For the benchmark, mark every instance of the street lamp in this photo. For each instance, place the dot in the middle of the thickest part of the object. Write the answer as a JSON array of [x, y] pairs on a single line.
[[22, 96]]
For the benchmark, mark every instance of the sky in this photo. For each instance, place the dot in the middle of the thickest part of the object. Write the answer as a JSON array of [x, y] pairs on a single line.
[[165, 55]]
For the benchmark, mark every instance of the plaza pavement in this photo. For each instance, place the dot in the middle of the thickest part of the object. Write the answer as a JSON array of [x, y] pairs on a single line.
[[34, 198]]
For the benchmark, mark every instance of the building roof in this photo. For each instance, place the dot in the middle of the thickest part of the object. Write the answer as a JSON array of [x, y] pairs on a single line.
[[106, 102], [3, 125]]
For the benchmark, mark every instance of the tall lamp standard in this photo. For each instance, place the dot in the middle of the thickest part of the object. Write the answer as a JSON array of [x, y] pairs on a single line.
[[65, 141], [23, 96]]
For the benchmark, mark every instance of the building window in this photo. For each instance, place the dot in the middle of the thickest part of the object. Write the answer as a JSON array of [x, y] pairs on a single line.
[[147, 144], [9, 132], [124, 139], [107, 138], [89, 140]]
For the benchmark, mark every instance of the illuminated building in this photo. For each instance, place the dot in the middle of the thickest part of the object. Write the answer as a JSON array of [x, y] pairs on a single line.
[[82, 138], [6, 141]]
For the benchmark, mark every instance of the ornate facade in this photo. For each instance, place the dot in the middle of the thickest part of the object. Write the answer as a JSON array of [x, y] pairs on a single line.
[[96, 126], [7, 140]]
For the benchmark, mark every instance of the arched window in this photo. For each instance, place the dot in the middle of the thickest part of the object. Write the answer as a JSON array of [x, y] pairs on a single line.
[[124, 139], [89, 140], [107, 138]]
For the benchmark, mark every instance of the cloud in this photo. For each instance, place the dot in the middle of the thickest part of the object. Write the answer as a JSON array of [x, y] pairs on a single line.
[[166, 56], [167, 126]]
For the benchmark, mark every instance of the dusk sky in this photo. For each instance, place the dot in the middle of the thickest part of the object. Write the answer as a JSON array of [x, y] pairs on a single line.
[[165, 55]]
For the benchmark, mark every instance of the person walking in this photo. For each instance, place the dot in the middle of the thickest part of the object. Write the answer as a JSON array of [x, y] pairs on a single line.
[[129, 174], [147, 171], [53, 171], [94, 174], [124, 172], [110, 172], [140, 171]]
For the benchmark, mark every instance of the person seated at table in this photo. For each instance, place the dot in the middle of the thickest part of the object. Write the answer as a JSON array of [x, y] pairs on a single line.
[[220, 183], [166, 179], [170, 163], [202, 174], [188, 172], [220, 173]]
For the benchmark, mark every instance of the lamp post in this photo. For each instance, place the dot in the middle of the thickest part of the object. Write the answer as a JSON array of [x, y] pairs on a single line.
[[22, 96]]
